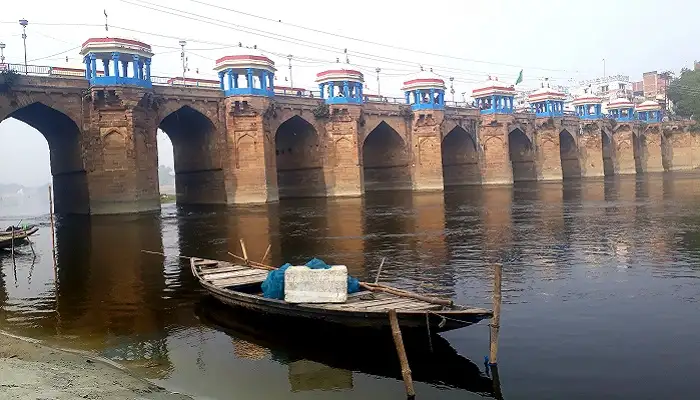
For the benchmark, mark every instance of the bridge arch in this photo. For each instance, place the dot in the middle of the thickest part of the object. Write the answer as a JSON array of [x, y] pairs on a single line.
[[385, 160], [569, 155], [299, 156], [197, 156], [522, 156], [460, 158], [608, 153], [63, 137]]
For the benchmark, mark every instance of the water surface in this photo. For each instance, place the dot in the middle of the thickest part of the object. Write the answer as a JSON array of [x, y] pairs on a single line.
[[601, 290]]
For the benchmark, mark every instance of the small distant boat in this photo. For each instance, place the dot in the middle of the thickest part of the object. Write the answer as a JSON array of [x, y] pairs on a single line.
[[16, 234], [240, 286]]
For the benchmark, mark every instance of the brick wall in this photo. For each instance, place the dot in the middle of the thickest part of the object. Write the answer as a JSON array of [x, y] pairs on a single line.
[[343, 173], [548, 149], [623, 144], [649, 155], [426, 138], [251, 175], [590, 146]]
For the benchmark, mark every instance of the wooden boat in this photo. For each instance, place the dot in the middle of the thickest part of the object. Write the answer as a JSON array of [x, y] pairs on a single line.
[[19, 236], [240, 286]]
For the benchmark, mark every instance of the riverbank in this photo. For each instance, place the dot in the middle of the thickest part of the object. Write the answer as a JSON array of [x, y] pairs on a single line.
[[31, 370]]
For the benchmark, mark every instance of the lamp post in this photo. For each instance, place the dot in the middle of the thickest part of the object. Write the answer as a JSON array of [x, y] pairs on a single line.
[[2, 53], [379, 89], [24, 24], [291, 80], [452, 88], [182, 55], [604, 68]]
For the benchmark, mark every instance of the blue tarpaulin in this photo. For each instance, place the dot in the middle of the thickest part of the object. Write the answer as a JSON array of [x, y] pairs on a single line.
[[273, 286]]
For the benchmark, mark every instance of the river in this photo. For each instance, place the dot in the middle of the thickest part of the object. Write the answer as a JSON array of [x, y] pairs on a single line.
[[601, 291]]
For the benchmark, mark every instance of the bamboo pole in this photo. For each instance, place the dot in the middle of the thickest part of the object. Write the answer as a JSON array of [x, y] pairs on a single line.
[[53, 231], [267, 251], [379, 271], [12, 244], [496, 383], [158, 253], [31, 245], [252, 263], [402, 293], [245, 252], [401, 351], [496, 321]]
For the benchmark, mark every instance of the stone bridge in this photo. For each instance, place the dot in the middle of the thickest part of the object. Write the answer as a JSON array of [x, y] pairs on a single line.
[[251, 149]]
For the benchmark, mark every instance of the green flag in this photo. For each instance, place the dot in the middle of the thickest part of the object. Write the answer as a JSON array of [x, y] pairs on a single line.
[[520, 77]]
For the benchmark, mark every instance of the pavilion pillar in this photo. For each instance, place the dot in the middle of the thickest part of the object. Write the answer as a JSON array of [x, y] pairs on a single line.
[[221, 79], [249, 78], [115, 59], [148, 69], [87, 62]]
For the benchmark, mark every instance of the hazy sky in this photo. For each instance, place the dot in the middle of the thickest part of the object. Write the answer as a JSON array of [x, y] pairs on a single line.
[[563, 40]]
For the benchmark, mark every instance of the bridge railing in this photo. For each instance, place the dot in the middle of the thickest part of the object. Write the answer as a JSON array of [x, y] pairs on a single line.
[[458, 104], [28, 69]]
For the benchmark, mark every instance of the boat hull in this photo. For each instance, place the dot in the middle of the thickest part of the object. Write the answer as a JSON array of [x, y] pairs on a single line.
[[362, 310]]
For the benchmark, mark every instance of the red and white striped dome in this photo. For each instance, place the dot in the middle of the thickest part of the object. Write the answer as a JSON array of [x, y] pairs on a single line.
[[423, 80], [546, 93], [492, 86], [619, 104], [338, 72], [242, 58], [648, 105], [116, 45], [587, 98]]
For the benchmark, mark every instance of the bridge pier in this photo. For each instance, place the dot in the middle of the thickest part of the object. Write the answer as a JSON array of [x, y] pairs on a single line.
[[623, 154], [649, 150], [250, 167], [681, 150], [590, 146], [548, 154], [426, 164], [342, 170], [495, 163], [121, 156]]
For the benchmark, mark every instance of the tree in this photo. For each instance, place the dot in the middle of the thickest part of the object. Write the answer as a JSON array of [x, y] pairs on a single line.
[[165, 176], [684, 92]]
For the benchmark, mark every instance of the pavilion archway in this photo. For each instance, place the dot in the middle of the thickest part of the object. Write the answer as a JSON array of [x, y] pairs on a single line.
[[63, 136], [522, 156], [199, 175], [385, 160], [299, 159], [460, 158]]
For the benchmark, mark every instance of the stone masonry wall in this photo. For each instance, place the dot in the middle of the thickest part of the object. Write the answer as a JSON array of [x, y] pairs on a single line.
[[623, 142], [548, 151], [426, 163], [649, 154], [250, 168]]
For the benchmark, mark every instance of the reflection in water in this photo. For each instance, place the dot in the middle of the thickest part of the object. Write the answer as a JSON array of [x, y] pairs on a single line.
[[593, 271], [304, 348]]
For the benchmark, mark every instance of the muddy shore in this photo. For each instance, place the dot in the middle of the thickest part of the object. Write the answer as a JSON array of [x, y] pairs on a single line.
[[31, 370]]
